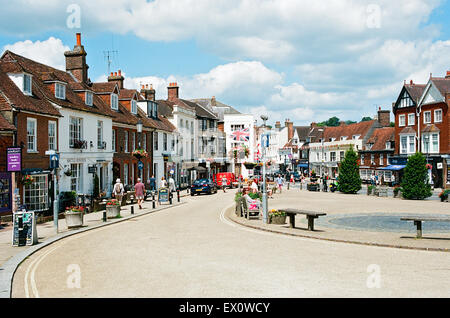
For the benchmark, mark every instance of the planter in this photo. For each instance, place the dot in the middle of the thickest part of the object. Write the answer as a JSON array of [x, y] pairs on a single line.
[[278, 219], [250, 166], [74, 219], [112, 211], [313, 187]]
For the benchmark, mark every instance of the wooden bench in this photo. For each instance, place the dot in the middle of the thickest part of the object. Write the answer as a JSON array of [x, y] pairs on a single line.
[[382, 191], [418, 222], [310, 215], [249, 213]]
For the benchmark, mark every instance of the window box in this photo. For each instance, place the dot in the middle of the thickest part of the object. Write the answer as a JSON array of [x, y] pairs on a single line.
[[79, 144]]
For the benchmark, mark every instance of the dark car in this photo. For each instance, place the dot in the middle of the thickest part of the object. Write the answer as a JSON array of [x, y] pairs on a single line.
[[203, 186], [297, 176]]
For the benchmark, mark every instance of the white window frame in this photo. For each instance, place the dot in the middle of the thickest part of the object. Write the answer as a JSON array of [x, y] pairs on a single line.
[[36, 194], [362, 159], [411, 119], [99, 134], [33, 141], [436, 111], [356, 137], [381, 160], [372, 160], [425, 121], [89, 98], [125, 141], [76, 179], [133, 107], [402, 120], [27, 79], [113, 140], [125, 173], [343, 138], [75, 134], [52, 138], [114, 101], [133, 141], [431, 148], [60, 91]]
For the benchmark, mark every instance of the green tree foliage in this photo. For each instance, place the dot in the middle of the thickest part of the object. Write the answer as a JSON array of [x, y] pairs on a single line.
[[349, 179], [415, 178], [366, 119], [349, 122]]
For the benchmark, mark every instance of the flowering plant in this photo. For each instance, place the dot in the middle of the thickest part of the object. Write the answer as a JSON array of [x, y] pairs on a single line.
[[27, 180], [275, 212], [429, 166], [444, 195], [75, 208], [140, 153], [113, 202]]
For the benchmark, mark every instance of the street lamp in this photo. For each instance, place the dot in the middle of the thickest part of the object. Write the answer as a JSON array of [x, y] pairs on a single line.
[[321, 165], [264, 190], [139, 126]]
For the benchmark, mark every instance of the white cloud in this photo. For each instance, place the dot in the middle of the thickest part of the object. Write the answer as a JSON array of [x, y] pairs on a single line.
[[49, 52]]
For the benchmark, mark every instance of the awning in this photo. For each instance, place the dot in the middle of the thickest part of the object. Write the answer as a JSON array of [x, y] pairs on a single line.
[[302, 165], [393, 167], [198, 169]]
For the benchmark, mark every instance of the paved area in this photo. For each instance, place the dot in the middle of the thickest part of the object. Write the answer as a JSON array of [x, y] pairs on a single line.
[[340, 205], [46, 230], [193, 250]]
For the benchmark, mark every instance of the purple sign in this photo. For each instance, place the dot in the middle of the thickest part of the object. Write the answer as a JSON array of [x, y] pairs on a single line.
[[14, 159]]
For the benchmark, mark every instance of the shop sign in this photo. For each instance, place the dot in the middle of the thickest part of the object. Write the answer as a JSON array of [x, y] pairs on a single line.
[[14, 159]]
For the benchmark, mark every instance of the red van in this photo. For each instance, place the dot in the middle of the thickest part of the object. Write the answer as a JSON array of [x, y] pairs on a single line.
[[230, 178]]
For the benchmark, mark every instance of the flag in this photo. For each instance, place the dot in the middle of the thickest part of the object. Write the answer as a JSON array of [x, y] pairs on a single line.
[[241, 135]]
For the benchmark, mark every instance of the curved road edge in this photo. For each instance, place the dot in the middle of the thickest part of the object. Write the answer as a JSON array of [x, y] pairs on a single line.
[[8, 269], [228, 215]]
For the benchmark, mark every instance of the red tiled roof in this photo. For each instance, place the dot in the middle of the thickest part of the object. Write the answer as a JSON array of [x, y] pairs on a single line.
[[5, 125], [104, 88], [348, 131], [380, 136], [415, 90]]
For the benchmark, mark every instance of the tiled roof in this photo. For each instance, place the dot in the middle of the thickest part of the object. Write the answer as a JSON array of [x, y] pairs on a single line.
[[104, 87], [165, 107], [302, 132], [348, 131], [415, 91], [408, 130], [5, 125], [380, 136], [42, 90], [442, 84], [127, 94], [430, 128]]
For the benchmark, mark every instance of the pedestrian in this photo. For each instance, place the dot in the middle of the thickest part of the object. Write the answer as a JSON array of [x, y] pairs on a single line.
[[224, 183], [254, 186], [163, 183], [324, 181], [172, 186], [280, 183], [292, 179], [118, 191], [393, 180], [139, 189], [152, 182]]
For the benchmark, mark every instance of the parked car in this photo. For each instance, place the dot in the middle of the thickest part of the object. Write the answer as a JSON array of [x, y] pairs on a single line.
[[297, 176], [203, 186], [217, 178]]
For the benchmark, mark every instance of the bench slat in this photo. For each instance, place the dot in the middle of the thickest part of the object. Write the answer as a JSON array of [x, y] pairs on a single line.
[[303, 212], [426, 219]]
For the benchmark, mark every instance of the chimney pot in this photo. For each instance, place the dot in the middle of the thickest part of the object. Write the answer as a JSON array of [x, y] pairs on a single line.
[[78, 39], [115, 73], [448, 74], [120, 72], [411, 82]]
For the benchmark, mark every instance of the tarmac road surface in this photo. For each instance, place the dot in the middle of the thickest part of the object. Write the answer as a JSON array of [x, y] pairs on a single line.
[[193, 251]]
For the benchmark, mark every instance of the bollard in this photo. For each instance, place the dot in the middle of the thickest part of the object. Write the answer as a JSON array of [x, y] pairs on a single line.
[[170, 197], [104, 216], [289, 185], [132, 209], [153, 200], [178, 195]]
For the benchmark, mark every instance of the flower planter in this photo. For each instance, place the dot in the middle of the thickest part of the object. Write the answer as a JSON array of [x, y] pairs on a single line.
[[112, 211], [278, 219], [249, 166], [138, 157], [74, 219]]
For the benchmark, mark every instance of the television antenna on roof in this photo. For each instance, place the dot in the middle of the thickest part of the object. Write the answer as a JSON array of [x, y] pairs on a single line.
[[109, 56]]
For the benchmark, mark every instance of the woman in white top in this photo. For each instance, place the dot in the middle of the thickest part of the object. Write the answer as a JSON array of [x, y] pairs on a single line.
[[163, 183], [254, 187]]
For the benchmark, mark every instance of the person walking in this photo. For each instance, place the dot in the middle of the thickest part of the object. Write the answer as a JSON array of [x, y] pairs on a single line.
[[152, 183], [118, 191], [280, 183], [324, 181], [292, 179], [172, 186], [224, 183], [163, 183], [139, 189]]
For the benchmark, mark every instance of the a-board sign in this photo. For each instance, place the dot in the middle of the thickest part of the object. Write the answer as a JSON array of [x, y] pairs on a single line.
[[24, 229], [163, 195]]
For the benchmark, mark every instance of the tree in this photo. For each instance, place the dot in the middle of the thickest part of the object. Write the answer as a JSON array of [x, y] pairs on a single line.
[[366, 119], [349, 181], [349, 122], [415, 184]]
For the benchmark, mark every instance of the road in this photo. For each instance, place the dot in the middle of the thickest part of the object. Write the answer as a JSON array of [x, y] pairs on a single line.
[[193, 251]]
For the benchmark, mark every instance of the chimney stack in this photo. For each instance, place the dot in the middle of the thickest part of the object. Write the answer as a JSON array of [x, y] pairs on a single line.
[[448, 74], [290, 127], [172, 92], [213, 101], [278, 125], [117, 78], [384, 117], [148, 93], [76, 61]]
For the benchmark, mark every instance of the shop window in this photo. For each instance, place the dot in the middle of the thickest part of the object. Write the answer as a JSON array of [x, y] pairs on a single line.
[[36, 194]]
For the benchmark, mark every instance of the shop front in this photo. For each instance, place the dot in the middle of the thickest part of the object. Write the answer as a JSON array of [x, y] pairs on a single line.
[[5, 193], [35, 189]]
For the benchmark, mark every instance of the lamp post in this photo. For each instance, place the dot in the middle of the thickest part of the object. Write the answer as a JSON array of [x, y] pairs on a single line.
[[264, 190], [321, 165]]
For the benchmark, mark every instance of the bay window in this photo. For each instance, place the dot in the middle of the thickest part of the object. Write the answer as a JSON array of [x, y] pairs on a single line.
[[430, 143], [36, 194], [407, 144]]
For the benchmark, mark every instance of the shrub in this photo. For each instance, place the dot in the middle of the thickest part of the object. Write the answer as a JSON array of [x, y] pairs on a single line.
[[415, 179]]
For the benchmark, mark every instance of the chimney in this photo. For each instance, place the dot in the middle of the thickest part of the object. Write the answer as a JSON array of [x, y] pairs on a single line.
[[290, 127], [213, 101], [76, 61], [172, 92], [411, 82], [148, 93], [384, 117], [278, 125], [448, 74], [117, 78]]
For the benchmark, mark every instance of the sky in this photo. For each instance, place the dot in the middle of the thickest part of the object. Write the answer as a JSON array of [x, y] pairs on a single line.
[[302, 60]]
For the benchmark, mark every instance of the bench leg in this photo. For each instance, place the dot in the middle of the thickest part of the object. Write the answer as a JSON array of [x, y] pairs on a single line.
[[310, 223], [419, 228], [292, 221]]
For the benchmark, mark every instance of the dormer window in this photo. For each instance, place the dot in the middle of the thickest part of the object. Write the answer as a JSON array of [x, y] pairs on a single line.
[[343, 138], [60, 91], [114, 101], [133, 107], [89, 98], [388, 145], [155, 111], [356, 137], [27, 84]]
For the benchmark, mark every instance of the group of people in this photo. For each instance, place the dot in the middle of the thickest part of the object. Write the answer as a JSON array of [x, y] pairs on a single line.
[[139, 188]]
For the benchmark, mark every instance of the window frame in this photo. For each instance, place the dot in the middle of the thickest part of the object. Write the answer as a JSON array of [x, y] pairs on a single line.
[[34, 121], [435, 112], [74, 132], [60, 91], [425, 113], [114, 101], [54, 136], [400, 117], [89, 101], [30, 82], [133, 107], [99, 134], [413, 116]]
